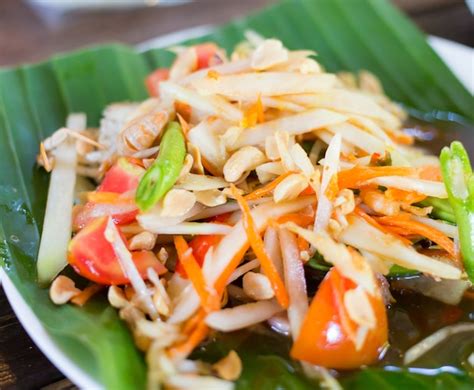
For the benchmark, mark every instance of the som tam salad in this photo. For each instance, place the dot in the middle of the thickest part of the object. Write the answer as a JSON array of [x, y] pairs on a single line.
[[215, 197]]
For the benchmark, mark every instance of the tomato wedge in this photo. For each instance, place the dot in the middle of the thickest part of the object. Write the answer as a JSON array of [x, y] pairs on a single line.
[[205, 53], [122, 177], [122, 214], [325, 339], [93, 257], [201, 244], [154, 79]]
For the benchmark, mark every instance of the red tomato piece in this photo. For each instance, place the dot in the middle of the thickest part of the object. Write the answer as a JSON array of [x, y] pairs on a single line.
[[154, 79], [324, 338], [93, 257], [122, 177], [121, 214], [201, 244], [205, 53]]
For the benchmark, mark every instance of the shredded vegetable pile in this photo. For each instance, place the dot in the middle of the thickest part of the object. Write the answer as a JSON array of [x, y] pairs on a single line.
[[214, 198]]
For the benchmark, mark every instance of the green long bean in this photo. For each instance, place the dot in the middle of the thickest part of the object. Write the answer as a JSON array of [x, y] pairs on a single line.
[[441, 209], [165, 170], [459, 180]]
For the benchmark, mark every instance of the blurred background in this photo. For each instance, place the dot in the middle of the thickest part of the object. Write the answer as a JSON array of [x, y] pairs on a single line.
[[31, 30]]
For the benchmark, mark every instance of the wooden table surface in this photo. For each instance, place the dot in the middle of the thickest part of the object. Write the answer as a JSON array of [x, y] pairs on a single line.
[[27, 35]]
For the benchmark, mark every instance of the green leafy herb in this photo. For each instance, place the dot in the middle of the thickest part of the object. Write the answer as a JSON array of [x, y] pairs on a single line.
[[459, 181], [164, 172]]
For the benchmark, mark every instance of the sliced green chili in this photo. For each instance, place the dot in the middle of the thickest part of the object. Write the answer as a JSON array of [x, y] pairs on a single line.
[[459, 180], [164, 172]]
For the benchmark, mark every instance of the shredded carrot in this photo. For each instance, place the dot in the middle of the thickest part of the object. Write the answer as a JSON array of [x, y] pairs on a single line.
[[411, 226], [308, 191], [194, 321], [371, 220], [332, 189], [86, 294], [212, 74], [108, 198], [221, 282], [430, 172], [355, 177], [102, 197], [402, 138], [254, 114], [267, 188], [302, 244], [302, 220], [406, 197], [182, 350], [209, 299], [259, 249]]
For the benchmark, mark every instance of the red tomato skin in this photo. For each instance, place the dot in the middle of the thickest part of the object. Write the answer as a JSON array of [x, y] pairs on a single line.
[[204, 53], [153, 80], [122, 177], [93, 257], [88, 212], [201, 244], [323, 340]]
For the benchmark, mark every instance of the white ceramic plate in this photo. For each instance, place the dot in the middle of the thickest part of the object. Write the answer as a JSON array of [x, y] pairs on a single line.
[[458, 57]]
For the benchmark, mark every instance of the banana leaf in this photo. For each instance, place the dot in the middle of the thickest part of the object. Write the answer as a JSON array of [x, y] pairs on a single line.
[[35, 100]]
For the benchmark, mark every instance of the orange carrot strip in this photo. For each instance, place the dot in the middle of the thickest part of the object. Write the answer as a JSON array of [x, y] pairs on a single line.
[[374, 223], [402, 138], [258, 247], [106, 197], [267, 188], [332, 189], [86, 294], [307, 191], [183, 349], [414, 227], [221, 281], [302, 220], [254, 114], [209, 300], [194, 321], [303, 245], [407, 197], [354, 177], [430, 172]]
